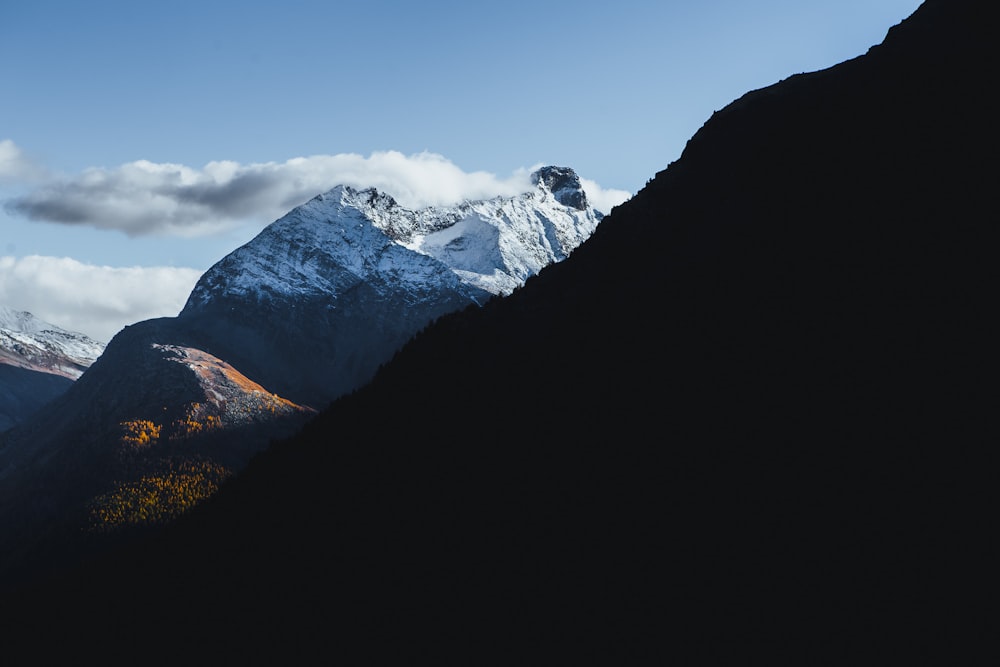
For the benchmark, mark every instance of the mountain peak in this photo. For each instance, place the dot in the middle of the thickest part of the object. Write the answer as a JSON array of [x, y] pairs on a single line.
[[38, 361], [31, 343], [348, 194], [21, 321], [354, 253], [564, 184]]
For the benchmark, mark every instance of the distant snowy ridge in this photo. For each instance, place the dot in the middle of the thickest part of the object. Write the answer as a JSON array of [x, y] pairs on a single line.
[[28, 342]]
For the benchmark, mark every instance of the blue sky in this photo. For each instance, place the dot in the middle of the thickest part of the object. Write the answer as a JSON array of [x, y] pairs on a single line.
[[141, 142]]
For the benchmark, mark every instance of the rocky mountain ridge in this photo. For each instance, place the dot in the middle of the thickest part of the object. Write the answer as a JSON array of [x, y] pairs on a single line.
[[351, 275], [303, 313], [767, 436], [347, 235]]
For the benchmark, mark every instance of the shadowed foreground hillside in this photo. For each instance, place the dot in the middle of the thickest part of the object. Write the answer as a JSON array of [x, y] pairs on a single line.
[[22, 391], [741, 423]]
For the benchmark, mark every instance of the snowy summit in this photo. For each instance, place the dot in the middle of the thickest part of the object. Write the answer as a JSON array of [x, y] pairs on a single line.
[[28, 342], [313, 304], [345, 236]]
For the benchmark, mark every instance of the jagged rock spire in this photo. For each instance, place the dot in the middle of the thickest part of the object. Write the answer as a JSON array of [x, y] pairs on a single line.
[[564, 184]]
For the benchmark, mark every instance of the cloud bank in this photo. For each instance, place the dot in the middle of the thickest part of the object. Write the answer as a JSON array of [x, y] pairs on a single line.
[[96, 300], [147, 198]]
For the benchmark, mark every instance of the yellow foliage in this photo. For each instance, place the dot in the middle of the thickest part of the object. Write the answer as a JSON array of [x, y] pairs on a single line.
[[139, 432], [190, 425], [156, 499]]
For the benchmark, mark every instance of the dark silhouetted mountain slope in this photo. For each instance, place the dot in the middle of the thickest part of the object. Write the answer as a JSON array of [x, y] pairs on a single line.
[[308, 309], [743, 423]]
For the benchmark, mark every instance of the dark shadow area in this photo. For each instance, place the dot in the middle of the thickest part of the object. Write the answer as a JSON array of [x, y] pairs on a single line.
[[748, 421], [23, 391]]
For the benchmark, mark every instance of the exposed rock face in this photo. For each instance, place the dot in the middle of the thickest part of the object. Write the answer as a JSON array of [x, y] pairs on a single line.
[[564, 184]]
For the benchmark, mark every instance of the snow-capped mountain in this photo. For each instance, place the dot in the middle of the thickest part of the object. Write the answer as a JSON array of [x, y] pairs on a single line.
[[321, 297], [346, 236], [28, 342], [305, 312], [38, 361]]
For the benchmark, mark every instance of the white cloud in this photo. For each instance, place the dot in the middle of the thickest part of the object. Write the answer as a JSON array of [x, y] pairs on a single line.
[[95, 300], [603, 199], [143, 197], [15, 167]]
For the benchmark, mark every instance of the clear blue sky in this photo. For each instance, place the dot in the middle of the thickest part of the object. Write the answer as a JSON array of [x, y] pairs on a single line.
[[111, 114]]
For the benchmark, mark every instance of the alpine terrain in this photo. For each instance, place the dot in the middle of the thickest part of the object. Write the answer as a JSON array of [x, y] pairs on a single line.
[[750, 420], [303, 313], [38, 361], [315, 303]]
